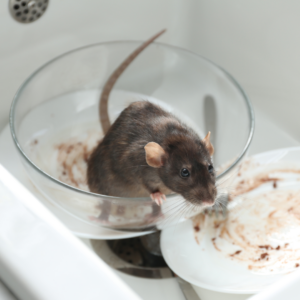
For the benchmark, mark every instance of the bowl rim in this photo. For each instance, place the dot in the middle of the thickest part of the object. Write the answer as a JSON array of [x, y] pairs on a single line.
[[16, 97]]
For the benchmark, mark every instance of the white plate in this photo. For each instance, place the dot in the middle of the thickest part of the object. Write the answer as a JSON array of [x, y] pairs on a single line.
[[203, 265], [9, 158]]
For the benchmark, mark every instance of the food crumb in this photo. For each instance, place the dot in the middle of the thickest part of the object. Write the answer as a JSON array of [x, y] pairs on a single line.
[[236, 253], [197, 228], [297, 265], [274, 184], [217, 224], [214, 243], [278, 247], [264, 255], [267, 247]]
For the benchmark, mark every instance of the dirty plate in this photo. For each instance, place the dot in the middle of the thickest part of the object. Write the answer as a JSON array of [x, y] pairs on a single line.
[[259, 240]]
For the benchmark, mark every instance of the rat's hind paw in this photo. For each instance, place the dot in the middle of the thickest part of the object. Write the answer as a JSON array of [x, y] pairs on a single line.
[[158, 198]]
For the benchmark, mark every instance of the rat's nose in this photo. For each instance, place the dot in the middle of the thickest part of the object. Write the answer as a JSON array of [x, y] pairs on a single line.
[[208, 202]]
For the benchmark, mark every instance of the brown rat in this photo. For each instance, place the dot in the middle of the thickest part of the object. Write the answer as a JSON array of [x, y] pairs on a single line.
[[148, 151]]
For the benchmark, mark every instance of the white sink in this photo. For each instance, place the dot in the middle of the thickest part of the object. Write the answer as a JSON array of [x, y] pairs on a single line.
[[249, 41]]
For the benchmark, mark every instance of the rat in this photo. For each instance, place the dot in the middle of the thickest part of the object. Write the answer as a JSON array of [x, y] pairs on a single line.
[[149, 151]]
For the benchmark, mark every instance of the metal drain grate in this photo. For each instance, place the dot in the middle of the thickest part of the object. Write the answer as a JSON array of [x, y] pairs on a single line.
[[27, 11], [131, 257], [128, 250], [140, 251]]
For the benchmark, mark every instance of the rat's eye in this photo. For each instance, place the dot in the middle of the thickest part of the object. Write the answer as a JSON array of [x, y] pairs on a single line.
[[210, 168], [184, 173]]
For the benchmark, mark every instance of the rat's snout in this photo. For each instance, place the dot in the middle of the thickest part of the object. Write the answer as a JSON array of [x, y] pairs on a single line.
[[208, 202], [210, 196], [202, 197]]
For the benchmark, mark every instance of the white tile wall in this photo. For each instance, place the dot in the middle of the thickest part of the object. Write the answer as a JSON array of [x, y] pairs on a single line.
[[68, 24], [257, 41]]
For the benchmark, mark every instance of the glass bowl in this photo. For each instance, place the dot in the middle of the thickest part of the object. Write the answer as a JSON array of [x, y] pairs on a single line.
[[54, 123]]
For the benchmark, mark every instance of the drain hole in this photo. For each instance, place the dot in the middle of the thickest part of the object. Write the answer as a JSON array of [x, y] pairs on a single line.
[[140, 263], [132, 251], [25, 11]]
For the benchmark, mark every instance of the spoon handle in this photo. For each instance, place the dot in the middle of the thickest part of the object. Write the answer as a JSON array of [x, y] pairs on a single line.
[[210, 120]]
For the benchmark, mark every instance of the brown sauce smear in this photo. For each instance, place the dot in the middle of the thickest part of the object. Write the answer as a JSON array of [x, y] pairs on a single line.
[[236, 253], [275, 208]]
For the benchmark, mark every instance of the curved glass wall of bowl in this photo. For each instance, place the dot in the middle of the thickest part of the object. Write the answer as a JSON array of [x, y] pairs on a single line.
[[54, 123]]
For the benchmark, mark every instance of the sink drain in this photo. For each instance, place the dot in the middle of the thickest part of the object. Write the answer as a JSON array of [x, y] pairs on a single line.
[[27, 11], [140, 257], [134, 252], [132, 256]]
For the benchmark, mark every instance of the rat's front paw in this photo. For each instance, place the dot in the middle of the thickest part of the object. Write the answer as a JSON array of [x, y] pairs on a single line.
[[158, 198]]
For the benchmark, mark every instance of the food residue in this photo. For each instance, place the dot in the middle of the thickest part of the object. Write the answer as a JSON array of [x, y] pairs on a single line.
[[246, 186], [236, 253], [72, 157], [263, 221], [197, 228], [264, 255], [267, 247]]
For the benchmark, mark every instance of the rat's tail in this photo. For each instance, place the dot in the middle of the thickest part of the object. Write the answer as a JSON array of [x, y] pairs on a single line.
[[103, 107]]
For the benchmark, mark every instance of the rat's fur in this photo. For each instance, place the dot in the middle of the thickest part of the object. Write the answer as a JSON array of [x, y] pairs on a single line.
[[118, 167]]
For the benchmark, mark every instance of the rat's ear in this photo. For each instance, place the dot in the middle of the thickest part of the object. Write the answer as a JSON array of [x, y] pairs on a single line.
[[154, 155], [208, 144]]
